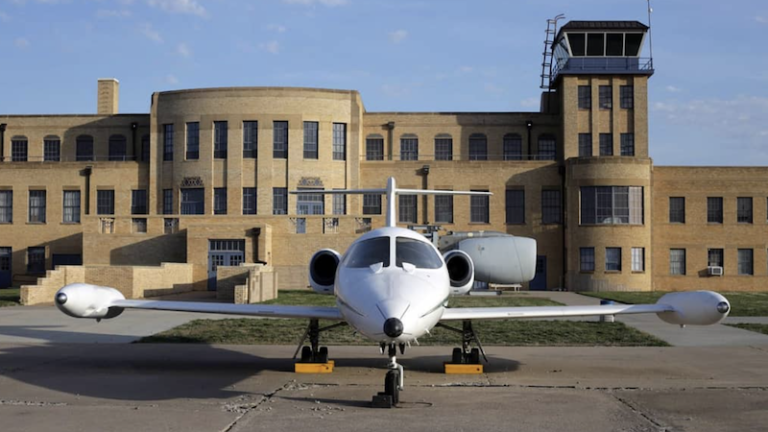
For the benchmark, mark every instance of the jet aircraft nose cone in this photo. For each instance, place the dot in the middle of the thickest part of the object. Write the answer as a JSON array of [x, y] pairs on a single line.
[[61, 298], [393, 327]]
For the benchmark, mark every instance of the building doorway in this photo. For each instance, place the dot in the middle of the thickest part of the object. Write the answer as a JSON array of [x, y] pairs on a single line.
[[67, 259], [539, 282], [5, 267], [228, 253]]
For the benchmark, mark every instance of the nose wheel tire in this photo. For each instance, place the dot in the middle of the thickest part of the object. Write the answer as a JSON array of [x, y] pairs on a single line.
[[391, 382]]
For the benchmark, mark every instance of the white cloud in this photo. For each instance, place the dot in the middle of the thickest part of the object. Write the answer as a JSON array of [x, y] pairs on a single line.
[[4, 17], [672, 89], [328, 3], [761, 19], [183, 50], [272, 47], [531, 102], [171, 79], [150, 33], [276, 28], [493, 88], [113, 13], [398, 36], [21, 43], [191, 7]]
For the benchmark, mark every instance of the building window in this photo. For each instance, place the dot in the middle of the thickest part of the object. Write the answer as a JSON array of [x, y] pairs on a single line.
[[513, 147], [374, 149], [250, 139], [744, 210], [444, 148], [611, 205], [606, 97], [547, 144], [587, 259], [638, 259], [310, 140], [745, 261], [19, 150], [627, 95], [52, 149], [37, 206], [145, 147], [606, 144], [139, 202], [585, 97], [279, 201], [515, 206], [310, 204], [407, 208], [409, 148], [117, 148], [371, 204], [339, 204], [340, 141], [168, 142], [613, 259], [193, 201], [219, 201], [676, 209], [280, 140], [249, 201], [167, 201], [479, 211], [715, 210], [220, 129], [444, 208], [105, 202], [193, 140], [36, 260], [301, 225], [6, 206], [478, 147], [84, 148], [627, 144], [551, 212], [585, 145], [677, 261], [715, 257], [139, 225], [71, 213]]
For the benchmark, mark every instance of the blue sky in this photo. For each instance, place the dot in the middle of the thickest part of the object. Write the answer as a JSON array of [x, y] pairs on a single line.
[[708, 101]]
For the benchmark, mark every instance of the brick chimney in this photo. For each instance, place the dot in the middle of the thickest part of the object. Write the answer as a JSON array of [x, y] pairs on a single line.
[[108, 95]]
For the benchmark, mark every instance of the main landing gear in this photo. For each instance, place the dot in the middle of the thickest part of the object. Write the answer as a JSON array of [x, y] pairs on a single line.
[[393, 381], [314, 353], [466, 355]]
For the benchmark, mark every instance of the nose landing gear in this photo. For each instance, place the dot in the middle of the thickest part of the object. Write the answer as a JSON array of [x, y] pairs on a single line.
[[393, 381], [314, 353]]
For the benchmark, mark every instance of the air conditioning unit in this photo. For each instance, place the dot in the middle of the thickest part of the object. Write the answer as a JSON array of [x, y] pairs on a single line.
[[715, 271]]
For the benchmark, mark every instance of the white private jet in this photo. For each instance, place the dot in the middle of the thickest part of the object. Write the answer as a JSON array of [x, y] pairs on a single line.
[[392, 285]]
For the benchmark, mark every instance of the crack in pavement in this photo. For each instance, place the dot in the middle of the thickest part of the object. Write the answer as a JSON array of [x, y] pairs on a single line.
[[246, 408], [643, 414], [12, 402]]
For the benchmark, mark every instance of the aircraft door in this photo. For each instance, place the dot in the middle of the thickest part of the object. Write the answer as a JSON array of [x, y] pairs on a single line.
[[539, 282]]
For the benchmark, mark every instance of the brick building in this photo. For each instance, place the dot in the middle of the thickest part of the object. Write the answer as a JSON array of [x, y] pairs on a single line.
[[204, 179]]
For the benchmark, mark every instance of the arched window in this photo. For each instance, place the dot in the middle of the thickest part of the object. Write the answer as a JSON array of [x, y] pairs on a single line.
[[547, 145], [52, 148], [513, 147], [478, 147], [443, 147], [409, 147], [374, 147], [19, 149], [84, 148]]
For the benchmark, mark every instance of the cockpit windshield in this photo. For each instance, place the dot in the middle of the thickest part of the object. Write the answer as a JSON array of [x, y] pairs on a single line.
[[368, 252], [416, 252]]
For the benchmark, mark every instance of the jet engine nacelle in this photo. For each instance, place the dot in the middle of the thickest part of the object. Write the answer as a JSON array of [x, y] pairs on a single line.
[[322, 270], [81, 300], [502, 260], [460, 270], [694, 308]]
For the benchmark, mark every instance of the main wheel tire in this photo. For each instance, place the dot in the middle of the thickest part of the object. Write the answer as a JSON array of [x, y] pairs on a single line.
[[306, 354], [322, 355], [391, 381], [474, 356], [457, 357]]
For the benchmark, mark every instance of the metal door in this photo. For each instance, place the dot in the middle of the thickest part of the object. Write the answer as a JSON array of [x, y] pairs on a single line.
[[5, 267], [539, 282], [228, 253]]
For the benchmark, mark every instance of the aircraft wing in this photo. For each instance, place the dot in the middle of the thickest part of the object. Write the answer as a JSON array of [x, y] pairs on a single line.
[[483, 313], [270, 311]]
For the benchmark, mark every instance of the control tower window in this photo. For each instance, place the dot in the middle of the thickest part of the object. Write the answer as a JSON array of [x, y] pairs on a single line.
[[595, 44], [578, 45], [632, 44], [614, 44]]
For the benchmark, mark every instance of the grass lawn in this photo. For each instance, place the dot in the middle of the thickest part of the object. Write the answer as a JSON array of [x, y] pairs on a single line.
[[742, 303], [9, 297], [759, 328], [509, 332]]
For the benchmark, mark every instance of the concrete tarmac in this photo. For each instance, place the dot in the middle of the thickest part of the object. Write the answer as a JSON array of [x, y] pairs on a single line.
[[148, 387]]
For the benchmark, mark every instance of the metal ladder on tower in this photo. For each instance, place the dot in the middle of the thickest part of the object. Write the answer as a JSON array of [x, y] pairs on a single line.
[[549, 40]]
